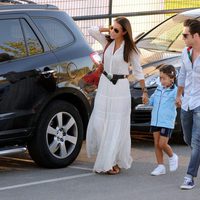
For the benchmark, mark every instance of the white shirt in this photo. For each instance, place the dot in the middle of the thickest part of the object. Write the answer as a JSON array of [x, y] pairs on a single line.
[[114, 62], [189, 78]]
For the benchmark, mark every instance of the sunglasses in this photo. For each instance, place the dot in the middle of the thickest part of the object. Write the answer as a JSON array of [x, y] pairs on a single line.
[[115, 29], [185, 35]]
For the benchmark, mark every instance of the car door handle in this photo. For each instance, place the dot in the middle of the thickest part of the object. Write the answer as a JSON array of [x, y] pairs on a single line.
[[48, 72]]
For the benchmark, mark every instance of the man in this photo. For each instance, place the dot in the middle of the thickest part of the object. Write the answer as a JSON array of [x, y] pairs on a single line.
[[189, 83]]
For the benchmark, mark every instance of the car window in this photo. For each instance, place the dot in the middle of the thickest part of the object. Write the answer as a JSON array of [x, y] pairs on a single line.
[[12, 45], [32, 42], [56, 34], [165, 37]]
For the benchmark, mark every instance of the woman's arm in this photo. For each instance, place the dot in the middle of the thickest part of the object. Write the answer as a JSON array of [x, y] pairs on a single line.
[[96, 33], [138, 73], [145, 97]]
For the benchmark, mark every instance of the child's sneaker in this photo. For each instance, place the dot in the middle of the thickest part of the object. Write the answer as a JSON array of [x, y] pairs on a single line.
[[188, 184], [173, 163], [159, 170]]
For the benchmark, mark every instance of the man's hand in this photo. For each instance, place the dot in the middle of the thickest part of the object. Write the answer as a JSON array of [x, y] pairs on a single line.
[[178, 101], [179, 95]]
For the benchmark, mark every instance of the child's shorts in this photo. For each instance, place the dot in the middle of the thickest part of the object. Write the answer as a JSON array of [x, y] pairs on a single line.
[[166, 132]]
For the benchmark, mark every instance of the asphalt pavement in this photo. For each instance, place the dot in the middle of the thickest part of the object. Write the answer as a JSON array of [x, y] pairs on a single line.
[[21, 179]]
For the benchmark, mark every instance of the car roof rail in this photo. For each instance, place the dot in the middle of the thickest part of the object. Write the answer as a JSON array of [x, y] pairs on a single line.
[[24, 4]]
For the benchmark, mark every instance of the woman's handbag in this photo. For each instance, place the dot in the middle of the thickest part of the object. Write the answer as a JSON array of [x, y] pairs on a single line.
[[94, 76], [90, 81]]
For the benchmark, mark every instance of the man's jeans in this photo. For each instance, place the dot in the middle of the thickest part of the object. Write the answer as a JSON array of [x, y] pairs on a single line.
[[190, 121]]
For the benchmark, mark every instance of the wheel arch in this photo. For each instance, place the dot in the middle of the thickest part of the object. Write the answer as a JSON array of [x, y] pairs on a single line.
[[73, 96]]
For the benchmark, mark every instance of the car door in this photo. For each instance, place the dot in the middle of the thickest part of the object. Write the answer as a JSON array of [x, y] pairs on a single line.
[[26, 67], [69, 47]]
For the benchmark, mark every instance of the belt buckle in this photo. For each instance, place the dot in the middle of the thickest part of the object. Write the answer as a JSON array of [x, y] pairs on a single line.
[[109, 76]]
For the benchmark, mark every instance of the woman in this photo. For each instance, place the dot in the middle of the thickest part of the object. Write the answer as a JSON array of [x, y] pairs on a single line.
[[108, 132]]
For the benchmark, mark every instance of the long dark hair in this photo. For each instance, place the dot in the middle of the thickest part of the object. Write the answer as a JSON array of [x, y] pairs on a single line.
[[129, 42], [130, 45]]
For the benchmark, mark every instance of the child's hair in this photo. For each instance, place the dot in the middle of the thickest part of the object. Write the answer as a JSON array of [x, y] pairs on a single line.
[[169, 70]]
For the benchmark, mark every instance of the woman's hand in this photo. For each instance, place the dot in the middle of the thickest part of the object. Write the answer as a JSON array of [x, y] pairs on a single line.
[[145, 98], [102, 29]]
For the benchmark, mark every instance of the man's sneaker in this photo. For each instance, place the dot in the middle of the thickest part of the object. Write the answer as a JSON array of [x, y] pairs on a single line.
[[159, 170], [173, 163], [188, 184]]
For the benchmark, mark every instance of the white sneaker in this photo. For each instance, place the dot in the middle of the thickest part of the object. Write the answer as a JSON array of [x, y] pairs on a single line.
[[159, 170], [173, 163]]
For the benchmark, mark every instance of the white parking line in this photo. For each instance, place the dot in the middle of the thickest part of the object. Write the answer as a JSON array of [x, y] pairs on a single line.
[[45, 181], [82, 168]]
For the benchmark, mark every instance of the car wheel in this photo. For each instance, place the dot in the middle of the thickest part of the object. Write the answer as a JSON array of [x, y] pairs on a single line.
[[59, 135]]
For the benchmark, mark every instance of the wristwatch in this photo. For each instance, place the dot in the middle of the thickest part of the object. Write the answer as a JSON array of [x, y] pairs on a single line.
[[144, 90]]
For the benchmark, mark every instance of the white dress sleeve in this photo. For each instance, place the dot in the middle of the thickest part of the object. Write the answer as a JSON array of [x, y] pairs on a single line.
[[97, 35], [137, 69]]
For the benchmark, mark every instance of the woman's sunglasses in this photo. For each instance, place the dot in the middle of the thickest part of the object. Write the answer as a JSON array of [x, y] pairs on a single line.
[[115, 29]]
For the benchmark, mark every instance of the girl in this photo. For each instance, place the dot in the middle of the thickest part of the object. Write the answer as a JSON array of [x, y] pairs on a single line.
[[163, 118], [108, 132]]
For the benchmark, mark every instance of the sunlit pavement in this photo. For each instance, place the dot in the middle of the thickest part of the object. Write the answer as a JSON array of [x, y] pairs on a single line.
[[21, 179]]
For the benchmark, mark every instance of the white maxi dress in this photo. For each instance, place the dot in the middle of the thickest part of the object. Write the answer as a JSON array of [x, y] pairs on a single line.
[[108, 132]]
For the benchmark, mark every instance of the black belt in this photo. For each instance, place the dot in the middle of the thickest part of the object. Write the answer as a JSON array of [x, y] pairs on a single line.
[[114, 77]]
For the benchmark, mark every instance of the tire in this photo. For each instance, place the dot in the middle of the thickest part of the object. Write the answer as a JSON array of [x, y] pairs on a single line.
[[54, 145]]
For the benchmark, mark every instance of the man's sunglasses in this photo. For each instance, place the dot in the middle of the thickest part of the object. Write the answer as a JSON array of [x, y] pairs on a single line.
[[185, 35], [115, 29]]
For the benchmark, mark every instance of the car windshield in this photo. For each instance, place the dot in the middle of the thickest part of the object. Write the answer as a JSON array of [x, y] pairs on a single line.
[[165, 37]]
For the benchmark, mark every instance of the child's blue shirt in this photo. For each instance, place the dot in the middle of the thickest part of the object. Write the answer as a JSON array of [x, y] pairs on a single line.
[[164, 108]]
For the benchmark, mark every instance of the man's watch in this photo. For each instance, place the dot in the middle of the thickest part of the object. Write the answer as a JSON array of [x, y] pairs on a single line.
[[144, 90]]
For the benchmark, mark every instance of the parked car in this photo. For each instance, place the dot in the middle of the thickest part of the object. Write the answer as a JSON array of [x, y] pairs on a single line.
[[43, 55], [161, 45]]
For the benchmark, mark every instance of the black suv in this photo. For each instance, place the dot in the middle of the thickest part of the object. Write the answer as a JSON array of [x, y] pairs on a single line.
[[43, 55]]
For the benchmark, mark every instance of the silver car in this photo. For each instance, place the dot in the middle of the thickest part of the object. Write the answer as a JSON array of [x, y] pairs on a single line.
[[161, 45]]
